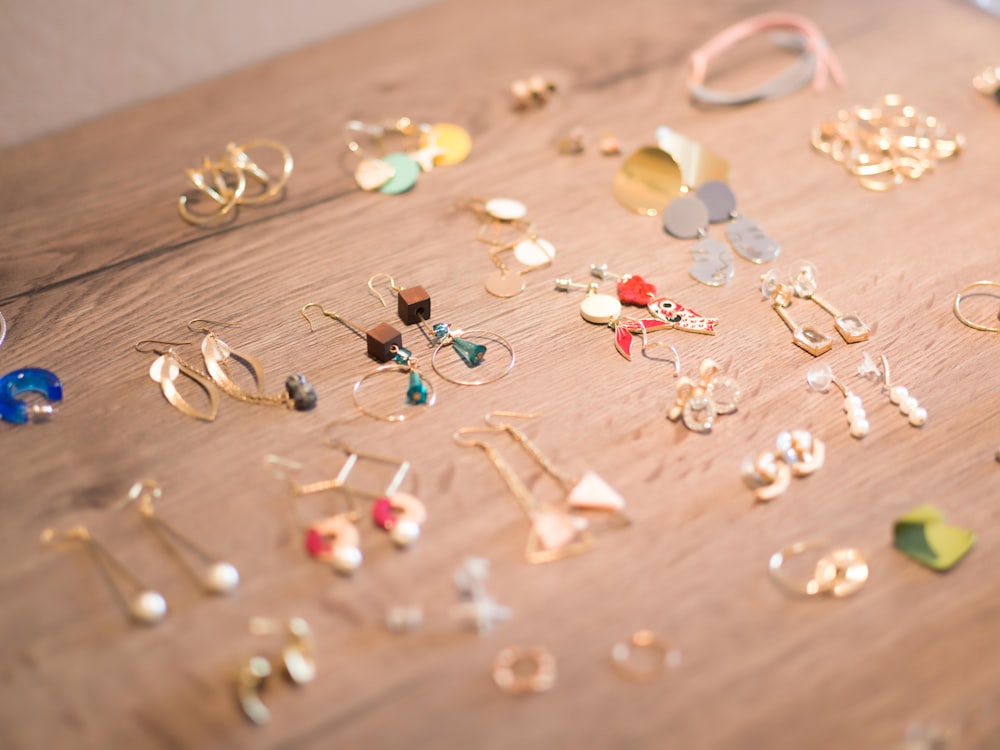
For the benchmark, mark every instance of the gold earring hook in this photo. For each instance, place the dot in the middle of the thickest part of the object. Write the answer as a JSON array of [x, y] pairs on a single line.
[[392, 285], [321, 309], [958, 307], [203, 329], [152, 350], [460, 433], [145, 490]]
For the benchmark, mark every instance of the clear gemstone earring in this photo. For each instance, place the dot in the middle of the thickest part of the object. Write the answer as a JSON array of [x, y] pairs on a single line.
[[820, 377], [699, 403], [807, 338], [850, 326], [909, 407]]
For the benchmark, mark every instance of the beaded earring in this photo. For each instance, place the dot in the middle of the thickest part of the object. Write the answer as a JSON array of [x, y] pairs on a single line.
[[414, 308], [908, 405], [819, 378]]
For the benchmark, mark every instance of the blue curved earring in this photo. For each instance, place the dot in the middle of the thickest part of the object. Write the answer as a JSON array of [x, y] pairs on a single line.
[[28, 379]]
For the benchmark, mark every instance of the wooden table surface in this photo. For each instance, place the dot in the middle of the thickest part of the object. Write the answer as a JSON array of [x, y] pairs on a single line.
[[94, 258]]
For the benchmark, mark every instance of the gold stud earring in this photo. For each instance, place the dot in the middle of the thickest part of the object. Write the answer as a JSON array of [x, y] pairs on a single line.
[[299, 394], [167, 369], [298, 657], [146, 607], [218, 577]]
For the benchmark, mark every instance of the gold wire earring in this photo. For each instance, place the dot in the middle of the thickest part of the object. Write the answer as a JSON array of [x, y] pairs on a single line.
[[298, 657], [531, 251], [168, 367], [224, 182], [299, 394], [146, 607], [218, 577], [965, 291], [557, 530]]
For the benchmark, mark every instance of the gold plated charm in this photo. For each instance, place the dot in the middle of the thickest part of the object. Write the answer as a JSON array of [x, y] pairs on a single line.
[[838, 572]]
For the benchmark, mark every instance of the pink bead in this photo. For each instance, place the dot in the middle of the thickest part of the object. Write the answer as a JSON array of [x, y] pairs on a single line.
[[316, 544], [383, 514]]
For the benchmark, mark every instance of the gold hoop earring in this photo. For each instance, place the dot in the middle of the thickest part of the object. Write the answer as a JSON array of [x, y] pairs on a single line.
[[958, 306]]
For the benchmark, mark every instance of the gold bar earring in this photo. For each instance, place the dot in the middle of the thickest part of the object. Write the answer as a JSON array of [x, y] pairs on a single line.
[[218, 577], [147, 607]]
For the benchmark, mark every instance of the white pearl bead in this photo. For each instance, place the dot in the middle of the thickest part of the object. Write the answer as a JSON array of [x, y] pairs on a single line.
[[918, 416], [149, 608], [908, 404], [860, 428], [852, 401], [222, 578], [405, 532], [897, 393], [346, 559]]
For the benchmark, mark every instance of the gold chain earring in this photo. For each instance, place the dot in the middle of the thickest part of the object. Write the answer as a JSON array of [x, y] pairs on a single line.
[[218, 577], [168, 367], [557, 531], [146, 607], [299, 394]]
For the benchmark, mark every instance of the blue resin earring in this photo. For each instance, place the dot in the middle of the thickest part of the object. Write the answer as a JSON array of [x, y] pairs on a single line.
[[414, 307], [28, 380]]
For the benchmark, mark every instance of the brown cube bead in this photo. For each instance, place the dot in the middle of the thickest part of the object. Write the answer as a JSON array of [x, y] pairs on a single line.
[[414, 305], [381, 340]]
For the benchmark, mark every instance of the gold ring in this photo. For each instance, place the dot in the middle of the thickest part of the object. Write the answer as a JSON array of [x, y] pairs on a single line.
[[958, 306], [658, 656], [839, 572], [509, 666]]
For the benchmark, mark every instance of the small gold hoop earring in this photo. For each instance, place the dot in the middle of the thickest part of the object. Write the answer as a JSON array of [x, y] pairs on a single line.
[[242, 162], [958, 306], [227, 198], [420, 391], [463, 345]]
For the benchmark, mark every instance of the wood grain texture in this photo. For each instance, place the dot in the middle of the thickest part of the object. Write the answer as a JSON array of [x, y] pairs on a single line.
[[94, 258]]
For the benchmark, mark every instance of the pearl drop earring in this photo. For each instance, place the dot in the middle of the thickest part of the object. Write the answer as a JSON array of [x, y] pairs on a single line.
[[909, 407], [819, 377]]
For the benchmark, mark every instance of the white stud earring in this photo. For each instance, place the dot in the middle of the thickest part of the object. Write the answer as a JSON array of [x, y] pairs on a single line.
[[909, 407], [820, 377]]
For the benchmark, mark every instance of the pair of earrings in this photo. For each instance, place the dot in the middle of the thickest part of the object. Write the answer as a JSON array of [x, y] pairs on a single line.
[[336, 539], [298, 657], [603, 309], [688, 217], [820, 377], [438, 145], [505, 227], [558, 530], [803, 284], [169, 366], [224, 182], [796, 453], [146, 606], [699, 402]]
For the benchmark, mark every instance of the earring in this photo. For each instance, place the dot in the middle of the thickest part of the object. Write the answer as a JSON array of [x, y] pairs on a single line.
[[224, 182], [850, 327], [168, 367], [556, 532], [819, 377], [745, 235], [441, 144], [298, 657], [530, 92], [807, 338], [603, 309], [530, 250], [400, 514], [147, 607], [687, 217], [957, 308], [909, 407], [795, 453], [218, 578], [699, 403], [414, 307], [332, 539], [476, 609], [838, 572], [29, 380], [299, 394]]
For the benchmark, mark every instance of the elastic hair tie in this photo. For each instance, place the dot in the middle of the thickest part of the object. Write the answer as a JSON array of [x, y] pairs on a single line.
[[815, 63]]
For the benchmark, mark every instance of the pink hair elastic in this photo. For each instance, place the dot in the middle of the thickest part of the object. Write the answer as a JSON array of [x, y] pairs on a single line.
[[815, 62]]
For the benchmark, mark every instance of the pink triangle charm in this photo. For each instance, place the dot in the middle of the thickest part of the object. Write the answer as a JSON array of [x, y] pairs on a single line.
[[594, 493], [554, 530]]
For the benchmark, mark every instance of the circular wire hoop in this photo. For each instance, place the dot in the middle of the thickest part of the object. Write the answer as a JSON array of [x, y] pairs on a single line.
[[392, 416], [658, 653], [482, 381], [958, 306]]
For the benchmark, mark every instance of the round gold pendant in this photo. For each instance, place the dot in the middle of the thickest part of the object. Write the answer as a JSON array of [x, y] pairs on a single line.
[[647, 180]]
